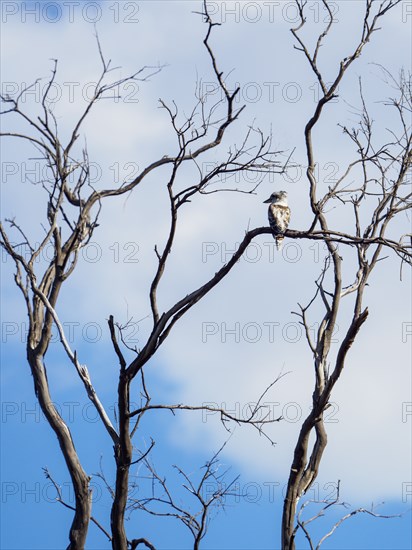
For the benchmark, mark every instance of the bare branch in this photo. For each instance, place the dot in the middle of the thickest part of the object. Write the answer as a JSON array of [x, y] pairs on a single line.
[[328, 504], [59, 498]]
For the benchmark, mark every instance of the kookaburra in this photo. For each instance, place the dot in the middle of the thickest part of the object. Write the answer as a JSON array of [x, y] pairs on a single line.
[[279, 215]]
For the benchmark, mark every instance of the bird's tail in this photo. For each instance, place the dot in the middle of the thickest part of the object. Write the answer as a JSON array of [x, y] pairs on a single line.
[[279, 242]]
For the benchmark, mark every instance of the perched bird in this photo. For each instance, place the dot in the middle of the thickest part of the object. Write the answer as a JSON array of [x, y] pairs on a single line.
[[279, 215]]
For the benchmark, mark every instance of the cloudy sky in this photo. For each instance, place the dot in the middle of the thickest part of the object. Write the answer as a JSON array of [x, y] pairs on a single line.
[[242, 336]]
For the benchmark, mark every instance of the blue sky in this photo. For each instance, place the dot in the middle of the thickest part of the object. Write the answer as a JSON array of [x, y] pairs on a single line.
[[223, 351]]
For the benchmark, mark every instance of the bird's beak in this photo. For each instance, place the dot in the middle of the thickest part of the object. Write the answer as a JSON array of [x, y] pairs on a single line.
[[269, 200]]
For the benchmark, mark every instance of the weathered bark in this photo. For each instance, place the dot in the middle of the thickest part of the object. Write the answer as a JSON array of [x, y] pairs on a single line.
[[123, 455], [80, 480], [300, 477], [303, 472]]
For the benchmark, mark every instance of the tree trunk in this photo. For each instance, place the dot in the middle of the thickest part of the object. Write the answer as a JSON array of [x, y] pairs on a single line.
[[80, 480], [303, 472], [123, 455]]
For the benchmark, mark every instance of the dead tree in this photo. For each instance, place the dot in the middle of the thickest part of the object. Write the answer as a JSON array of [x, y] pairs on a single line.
[[378, 175], [72, 214]]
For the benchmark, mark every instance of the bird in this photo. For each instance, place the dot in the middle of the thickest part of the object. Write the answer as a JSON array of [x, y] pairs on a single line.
[[279, 215]]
